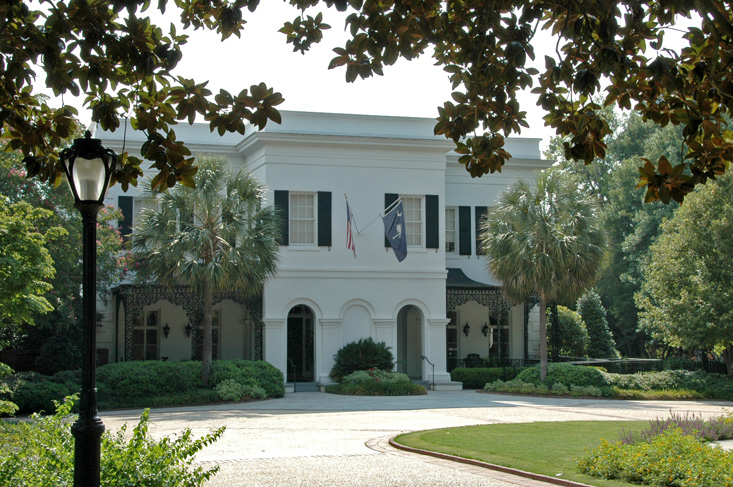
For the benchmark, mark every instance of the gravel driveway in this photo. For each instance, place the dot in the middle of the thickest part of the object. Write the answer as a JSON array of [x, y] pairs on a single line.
[[316, 439]]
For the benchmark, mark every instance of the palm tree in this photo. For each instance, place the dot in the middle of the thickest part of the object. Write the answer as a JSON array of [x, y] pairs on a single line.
[[214, 237], [544, 240]]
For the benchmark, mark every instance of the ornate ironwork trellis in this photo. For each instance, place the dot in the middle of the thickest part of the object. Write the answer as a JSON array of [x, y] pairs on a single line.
[[493, 299], [135, 298]]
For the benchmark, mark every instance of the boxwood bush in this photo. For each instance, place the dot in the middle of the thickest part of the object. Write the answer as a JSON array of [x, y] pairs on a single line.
[[570, 375], [362, 355], [376, 383], [478, 377]]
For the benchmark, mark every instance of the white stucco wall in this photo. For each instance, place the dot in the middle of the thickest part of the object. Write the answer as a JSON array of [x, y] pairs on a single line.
[[363, 157]]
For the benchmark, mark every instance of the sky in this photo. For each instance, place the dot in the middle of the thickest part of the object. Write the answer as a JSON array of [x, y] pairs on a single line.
[[408, 88]]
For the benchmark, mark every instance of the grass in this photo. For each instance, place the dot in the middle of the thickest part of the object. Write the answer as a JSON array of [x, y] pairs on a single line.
[[545, 448]]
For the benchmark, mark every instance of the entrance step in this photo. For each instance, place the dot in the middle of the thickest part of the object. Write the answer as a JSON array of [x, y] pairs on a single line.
[[302, 387], [425, 383]]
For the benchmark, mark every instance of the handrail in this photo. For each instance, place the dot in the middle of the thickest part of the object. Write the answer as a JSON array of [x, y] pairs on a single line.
[[295, 378], [428, 361]]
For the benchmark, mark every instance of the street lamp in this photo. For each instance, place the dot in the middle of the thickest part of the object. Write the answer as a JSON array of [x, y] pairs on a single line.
[[88, 167]]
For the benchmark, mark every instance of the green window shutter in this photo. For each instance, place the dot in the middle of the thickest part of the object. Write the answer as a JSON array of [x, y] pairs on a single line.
[[282, 205], [481, 212], [464, 230], [389, 198], [125, 225], [324, 218], [432, 222]]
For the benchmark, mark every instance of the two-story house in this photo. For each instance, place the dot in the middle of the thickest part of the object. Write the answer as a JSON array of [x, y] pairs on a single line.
[[436, 308]]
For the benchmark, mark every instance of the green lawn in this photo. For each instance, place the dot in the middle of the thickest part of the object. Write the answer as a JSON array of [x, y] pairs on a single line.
[[544, 448]]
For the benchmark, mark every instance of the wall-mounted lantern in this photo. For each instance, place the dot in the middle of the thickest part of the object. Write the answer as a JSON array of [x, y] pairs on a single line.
[[466, 328], [188, 330], [485, 330], [166, 330]]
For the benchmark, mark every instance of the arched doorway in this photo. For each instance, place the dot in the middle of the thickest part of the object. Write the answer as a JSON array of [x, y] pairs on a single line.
[[300, 344], [409, 342]]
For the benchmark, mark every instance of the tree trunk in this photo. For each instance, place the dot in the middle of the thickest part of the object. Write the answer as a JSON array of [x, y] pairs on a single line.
[[728, 357], [206, 344], [543, 337]]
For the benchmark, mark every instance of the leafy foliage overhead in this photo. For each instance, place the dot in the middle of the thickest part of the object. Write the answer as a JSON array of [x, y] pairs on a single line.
[[124, 63]]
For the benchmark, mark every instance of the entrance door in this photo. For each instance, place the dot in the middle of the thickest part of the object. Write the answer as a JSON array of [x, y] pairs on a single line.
[[300, 344], [409, 342]]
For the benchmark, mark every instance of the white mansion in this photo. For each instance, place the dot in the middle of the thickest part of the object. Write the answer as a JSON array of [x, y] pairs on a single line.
[[439, 306]]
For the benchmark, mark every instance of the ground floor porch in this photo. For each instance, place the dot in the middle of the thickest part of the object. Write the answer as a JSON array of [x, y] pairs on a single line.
[[478, 326]]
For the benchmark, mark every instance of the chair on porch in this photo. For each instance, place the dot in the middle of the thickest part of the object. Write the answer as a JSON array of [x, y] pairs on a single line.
[[473, 360]]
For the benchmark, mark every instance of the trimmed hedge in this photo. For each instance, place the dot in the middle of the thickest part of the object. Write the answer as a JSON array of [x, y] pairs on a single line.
[[143, 384], [478, 377], [128, 381], [570, 375]]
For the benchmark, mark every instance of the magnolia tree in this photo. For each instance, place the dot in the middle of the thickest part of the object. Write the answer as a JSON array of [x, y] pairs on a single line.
[[125, 64]]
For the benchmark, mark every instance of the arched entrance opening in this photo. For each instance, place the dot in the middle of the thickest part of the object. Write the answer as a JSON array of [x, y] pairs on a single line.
[[300, 344], [409, 341]]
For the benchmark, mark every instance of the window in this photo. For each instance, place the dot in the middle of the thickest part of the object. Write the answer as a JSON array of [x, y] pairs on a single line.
[[302, 219], [145, 337], [451, 231], [306, 217], [414, 218]]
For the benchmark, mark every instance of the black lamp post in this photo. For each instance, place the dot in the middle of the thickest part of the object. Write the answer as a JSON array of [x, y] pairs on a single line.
[[88, 166]]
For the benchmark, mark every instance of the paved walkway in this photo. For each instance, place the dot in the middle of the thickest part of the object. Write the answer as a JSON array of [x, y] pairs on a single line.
[[315, 439]]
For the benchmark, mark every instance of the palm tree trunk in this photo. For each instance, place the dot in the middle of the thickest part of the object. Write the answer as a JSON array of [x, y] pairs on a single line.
[[543, 337], [208, 299]]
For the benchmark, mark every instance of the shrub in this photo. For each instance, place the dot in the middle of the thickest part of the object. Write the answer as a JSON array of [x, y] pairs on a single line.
[[39, 396], [516, 386], [671, 458], [40, 453], [6, 406], [231, 390], [362, 355], [559, 388], [570, 375], [573, 333], [145, 379], [249, 372], [376, 383], [478, 377], [713, 429], [593, 314], [592, 391]]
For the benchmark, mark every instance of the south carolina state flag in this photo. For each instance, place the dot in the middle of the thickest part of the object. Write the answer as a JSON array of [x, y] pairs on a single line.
[[394, 230]]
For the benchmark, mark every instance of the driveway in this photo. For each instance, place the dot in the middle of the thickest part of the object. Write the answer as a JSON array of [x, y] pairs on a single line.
[[316, 439]]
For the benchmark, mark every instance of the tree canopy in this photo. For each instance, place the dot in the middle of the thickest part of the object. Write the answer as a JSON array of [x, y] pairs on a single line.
[[25, 264], [685, 300], [124, 63], [544, 240], [214, 237]]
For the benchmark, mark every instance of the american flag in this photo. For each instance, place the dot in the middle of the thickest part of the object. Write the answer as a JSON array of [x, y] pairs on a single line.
[[349, 235]]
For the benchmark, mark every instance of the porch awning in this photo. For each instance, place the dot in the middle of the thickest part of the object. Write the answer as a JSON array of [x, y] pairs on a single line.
[[458, 280]]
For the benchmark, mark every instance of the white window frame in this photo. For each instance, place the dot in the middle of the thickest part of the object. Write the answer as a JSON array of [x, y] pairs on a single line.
[[292, 241], [410, 221], [454, 221]]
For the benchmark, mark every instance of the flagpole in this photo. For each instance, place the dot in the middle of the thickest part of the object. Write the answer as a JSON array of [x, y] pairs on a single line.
[[386, 210]]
